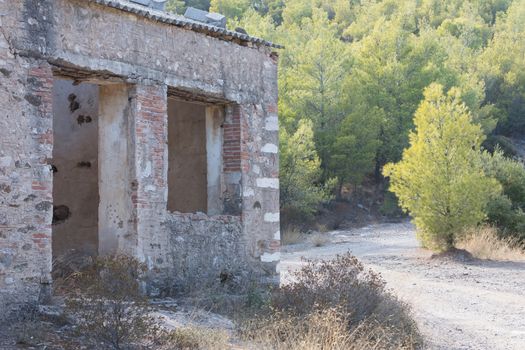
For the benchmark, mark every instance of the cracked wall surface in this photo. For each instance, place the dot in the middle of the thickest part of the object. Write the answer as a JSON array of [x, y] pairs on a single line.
[[44, 40]]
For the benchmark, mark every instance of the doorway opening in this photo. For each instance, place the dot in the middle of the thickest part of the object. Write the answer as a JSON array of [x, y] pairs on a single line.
[[92, 209], [75, 170]]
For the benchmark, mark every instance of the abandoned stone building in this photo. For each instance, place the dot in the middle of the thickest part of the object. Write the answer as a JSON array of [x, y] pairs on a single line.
[[128, 130]]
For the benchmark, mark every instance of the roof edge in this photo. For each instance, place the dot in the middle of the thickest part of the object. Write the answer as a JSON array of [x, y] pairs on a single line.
[[183, 22]]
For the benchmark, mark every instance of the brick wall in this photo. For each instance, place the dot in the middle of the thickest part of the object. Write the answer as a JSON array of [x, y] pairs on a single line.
[[232, 141]]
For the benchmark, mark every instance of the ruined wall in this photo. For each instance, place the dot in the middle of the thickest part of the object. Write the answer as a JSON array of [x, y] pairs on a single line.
[[141, 49], [205, 252], [26, 139], [75, 169], [261, 183], [83, 40]]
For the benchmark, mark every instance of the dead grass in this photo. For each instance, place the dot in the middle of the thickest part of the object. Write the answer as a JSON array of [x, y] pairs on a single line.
[[336, 305], [318, 239], [292, 235], [324, 329], [199, 338], [484, 243], [322, 228]]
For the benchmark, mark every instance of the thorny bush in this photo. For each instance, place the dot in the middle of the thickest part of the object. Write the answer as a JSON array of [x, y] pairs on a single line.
[[339, 291], [109, 306]]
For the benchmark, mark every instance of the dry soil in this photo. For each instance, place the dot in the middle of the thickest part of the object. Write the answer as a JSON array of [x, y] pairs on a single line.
[[470, 304]]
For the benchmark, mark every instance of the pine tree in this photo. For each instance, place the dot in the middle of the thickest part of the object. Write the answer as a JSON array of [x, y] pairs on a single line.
[[440, 179]]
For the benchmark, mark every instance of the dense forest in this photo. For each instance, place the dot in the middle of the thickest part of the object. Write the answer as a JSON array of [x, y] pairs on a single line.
[[353, 73]]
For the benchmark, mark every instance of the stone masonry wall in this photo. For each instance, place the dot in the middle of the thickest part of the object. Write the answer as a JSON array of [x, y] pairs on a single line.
[[84, 41], [26, 140], [205, 252]]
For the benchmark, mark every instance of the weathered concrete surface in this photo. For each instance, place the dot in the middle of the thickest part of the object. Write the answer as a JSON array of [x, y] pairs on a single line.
[[75, 168], [115, 207], [87, 42]]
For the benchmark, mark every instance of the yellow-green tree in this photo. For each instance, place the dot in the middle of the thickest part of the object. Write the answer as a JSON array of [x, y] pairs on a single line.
[[440, 179]]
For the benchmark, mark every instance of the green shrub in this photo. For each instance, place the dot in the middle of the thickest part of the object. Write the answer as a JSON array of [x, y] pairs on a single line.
[[506, 211], [509, 172], [503, 143], [510, 221]]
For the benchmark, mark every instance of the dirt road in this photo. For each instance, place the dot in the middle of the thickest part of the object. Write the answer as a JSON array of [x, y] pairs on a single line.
[[458, 305]]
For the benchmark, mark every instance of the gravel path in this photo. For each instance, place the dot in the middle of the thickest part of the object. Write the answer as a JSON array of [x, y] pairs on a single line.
[[458, 305]]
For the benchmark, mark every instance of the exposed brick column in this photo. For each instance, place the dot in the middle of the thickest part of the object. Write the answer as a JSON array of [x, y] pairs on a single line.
[[232, 156], [40, 95], [149, 131], [151, 135], [232, 140]]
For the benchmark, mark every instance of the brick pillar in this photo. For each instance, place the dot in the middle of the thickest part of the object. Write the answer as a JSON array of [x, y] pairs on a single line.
[[149, 129], [232, 159], [232, 140], [40, 89]]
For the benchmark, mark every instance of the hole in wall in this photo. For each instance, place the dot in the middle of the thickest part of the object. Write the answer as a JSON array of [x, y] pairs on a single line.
[[84, 164], [73, 103], [195, 157], [81, 119], [60, 214]]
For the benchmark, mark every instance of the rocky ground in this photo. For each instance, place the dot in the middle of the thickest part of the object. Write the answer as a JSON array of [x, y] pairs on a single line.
[[458, 304]]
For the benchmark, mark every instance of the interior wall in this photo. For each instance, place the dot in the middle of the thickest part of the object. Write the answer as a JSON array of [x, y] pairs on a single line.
[[115, 209], [214, 140], [187, 169], [75, 167]]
